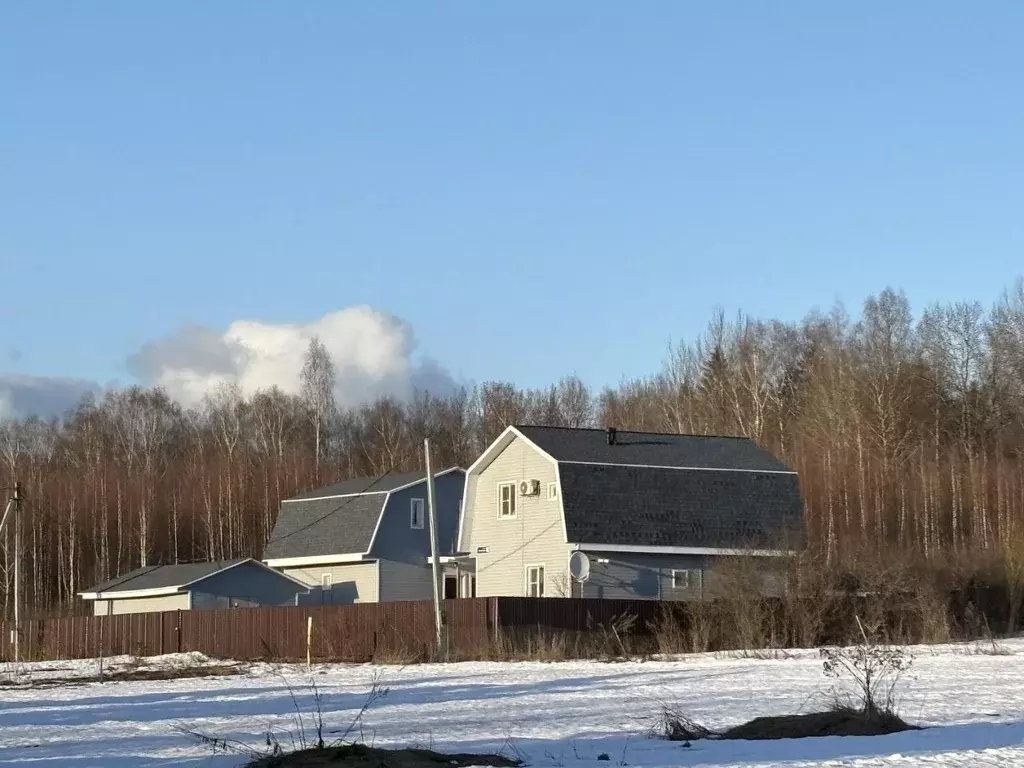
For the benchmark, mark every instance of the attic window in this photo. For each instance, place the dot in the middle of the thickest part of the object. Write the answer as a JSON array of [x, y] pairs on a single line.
[[506, 500], [552, 491], [416, 514]]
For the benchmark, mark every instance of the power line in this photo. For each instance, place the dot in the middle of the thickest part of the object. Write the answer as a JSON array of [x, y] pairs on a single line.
[[337, 508]]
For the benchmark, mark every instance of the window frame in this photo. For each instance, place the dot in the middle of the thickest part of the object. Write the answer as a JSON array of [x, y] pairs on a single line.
[[694, 577], [412, 513], [552, 491], [326, 581], [513, 506], [542, 575]]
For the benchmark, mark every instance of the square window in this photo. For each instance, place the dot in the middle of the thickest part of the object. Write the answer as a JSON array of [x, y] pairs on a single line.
[[506, 499], [416, 513], [535, 581], [686, 579]]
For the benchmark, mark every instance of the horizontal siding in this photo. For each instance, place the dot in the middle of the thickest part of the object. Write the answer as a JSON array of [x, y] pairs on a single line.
[[649, 577], [351, 583], [246, 584], [405, 581], [177, 602], [534, 537]]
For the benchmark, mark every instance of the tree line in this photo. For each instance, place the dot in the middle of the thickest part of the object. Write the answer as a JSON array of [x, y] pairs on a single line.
[[908, 434]]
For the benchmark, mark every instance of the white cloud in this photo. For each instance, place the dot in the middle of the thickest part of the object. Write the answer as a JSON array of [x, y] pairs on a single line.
[[372, 353]]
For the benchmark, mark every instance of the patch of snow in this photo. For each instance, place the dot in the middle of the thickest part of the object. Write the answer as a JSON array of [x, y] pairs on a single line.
[[558, 715]]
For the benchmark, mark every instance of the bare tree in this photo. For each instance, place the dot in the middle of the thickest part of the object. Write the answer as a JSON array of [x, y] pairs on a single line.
[[318, 394]]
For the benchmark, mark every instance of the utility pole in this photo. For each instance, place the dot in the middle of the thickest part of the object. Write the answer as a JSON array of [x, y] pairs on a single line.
[[435, 564], [17, 571], [15, 504]]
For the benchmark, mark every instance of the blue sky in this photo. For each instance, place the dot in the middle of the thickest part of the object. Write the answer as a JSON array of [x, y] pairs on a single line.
[[535, 188]]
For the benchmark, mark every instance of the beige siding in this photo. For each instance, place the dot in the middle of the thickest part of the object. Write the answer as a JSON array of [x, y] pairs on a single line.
[[177, 602], [351, 582], [535, 536], [405, 581]]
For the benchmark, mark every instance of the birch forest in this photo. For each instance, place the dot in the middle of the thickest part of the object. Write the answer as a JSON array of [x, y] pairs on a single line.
[[907, 432]]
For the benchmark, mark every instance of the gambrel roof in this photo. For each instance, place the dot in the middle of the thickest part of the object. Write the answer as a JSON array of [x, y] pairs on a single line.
[[336, 520], [646, 491]]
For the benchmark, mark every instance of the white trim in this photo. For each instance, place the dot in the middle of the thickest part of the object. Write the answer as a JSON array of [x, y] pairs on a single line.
[[377, 568], [462, 510], [128, 593], [412, 513], [297, 562], [504, 440], [561, 504], [689, 576], [449, 559], [500, 443], [512, 500], [542, 581], [691, 469], [189, 593], [653, 550], [553, 487], [387, 499], [376, 526], [370, 493], [335, 496], [115, 594]]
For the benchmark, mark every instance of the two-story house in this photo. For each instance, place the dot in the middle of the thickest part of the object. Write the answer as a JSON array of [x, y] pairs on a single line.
[[651, 514]]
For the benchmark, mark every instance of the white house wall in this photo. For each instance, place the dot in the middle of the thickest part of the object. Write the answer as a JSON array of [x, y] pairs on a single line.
[[535, 536], [176, 602], [350, 582]]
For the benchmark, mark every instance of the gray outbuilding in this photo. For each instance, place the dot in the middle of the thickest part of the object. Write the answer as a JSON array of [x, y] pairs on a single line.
[[240, 583]]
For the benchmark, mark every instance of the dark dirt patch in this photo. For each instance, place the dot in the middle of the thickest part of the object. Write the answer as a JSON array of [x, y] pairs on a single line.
[[119, 674], [175, 673], [360, 756], [841, 722]]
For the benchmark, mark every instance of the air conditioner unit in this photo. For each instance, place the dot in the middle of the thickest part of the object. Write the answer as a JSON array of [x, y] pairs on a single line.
[[529, 488]]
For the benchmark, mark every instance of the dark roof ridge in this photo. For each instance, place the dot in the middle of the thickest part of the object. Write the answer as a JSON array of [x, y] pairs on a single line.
[[634, 431]]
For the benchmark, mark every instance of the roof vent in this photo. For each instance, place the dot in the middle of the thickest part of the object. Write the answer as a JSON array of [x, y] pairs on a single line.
[[611, 435]]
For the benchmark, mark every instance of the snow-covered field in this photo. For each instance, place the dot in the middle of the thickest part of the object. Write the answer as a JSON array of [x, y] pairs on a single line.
[[556, 715]]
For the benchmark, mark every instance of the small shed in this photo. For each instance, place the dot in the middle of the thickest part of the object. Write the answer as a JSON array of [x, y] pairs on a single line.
[[240, 583]]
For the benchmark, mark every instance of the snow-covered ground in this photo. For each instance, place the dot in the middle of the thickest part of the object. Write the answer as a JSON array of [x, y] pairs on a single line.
[[556, 715]]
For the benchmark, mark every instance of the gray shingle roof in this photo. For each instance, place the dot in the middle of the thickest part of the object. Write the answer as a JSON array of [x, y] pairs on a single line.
[[325, 526], [640, 506], [164, 576], [642, 448], [337, 519]]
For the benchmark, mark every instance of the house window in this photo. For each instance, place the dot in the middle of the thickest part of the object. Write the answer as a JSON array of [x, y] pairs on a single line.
[[686, 579], [416, 513], [535, 581], [552, 491], [326, 585], [506, 499]]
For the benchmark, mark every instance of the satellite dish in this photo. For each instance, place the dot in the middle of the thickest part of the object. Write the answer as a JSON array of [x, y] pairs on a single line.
[[579, 566]]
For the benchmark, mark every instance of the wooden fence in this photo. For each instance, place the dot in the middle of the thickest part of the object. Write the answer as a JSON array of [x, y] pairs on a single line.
[[481, 628], [353, 633]]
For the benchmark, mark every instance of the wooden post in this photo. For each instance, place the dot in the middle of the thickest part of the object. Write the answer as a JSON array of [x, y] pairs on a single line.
[[309, 643]]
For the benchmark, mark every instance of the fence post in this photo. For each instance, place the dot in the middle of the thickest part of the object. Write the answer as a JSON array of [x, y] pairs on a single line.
[[177, 628], [309, 642]]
